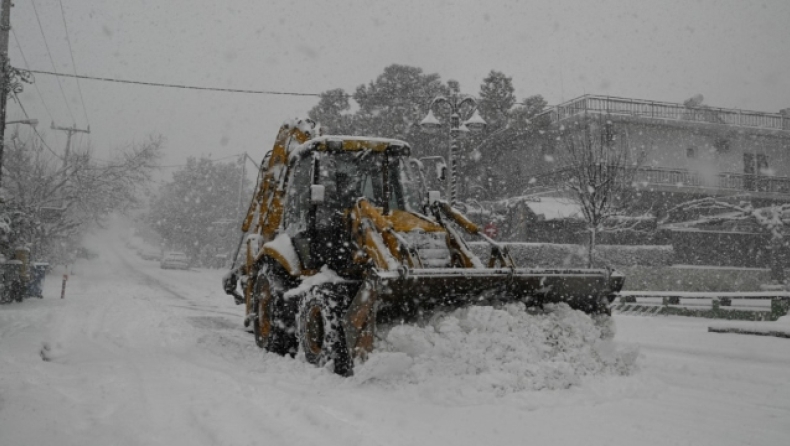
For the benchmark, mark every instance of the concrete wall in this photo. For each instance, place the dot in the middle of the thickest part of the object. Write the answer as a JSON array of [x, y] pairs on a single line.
[[716, 148]]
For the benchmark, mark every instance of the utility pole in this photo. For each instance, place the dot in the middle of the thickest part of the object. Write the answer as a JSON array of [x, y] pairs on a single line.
[[70, 131], [241, 181], [5, 27]]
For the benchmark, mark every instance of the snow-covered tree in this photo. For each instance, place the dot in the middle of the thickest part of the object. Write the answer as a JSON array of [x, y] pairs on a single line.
[[498, 156], [397, 100], [50, 201], [769, 220], [393, 104], [598, 170], [333, 112], [496, 99], [190, 212]]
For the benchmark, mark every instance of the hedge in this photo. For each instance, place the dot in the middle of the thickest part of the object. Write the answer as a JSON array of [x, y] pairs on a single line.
[[560, 255], [680, 278]]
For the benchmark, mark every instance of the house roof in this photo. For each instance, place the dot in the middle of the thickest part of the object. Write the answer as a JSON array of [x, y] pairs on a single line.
[[554, 208]]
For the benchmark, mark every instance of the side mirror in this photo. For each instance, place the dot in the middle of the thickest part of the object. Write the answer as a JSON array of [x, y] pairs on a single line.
[[441, 172], [317, 193], [433, 197]]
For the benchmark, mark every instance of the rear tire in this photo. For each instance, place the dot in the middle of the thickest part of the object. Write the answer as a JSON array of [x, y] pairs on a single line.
[[320, 331]]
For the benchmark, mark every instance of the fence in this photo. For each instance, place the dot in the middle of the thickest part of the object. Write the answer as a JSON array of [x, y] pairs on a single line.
[[668, 111]]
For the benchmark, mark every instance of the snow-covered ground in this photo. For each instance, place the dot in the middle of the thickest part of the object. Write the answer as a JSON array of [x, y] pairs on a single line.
[[136, 355]]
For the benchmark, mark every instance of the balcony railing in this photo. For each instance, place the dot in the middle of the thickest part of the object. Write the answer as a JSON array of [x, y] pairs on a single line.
[[723, 180], [668, 111], [685, 179]]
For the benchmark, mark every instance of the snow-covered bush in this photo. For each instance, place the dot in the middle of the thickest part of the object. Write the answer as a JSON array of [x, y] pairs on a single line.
[[560, 255], [693, 278]]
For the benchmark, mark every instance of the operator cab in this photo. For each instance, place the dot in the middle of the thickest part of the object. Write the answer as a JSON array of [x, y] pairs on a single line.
[[347, 169]]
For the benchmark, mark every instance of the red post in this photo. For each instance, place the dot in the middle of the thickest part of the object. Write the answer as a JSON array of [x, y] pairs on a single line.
[[63, 290], [491, 230]]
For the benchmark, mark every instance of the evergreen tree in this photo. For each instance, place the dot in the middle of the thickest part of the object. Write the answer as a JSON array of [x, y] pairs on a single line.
[[332, 111], [188, 211], [393, 105], [496, 100]]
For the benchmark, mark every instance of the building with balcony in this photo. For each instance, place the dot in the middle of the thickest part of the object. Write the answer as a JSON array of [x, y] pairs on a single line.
[[686, 152]]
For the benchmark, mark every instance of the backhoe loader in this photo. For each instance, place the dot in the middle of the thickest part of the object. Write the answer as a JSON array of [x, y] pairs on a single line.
[[341, 235]]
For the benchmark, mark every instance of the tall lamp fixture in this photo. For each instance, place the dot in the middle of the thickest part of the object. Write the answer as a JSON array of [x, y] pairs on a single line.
[[475, 124]]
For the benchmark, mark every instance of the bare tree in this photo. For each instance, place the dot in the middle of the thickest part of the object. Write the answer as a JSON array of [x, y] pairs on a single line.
[[51, 199], [599, 170]]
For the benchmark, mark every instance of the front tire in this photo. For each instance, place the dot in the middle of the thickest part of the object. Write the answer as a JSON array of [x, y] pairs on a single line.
[[273, 324], [320, 331]]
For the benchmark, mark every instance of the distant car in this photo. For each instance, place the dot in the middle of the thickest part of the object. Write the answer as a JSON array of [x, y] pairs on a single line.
[[174, 260], [85, 253], [150, 254]]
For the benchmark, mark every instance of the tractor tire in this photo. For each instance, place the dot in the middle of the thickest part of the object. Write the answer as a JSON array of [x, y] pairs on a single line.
[[272, 325], [18, 291], [320, 331]]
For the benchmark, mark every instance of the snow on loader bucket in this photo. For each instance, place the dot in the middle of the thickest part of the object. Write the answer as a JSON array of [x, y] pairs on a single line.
[[340, 235]]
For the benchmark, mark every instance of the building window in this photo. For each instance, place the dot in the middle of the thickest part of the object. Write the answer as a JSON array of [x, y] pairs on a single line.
[[608, 133], [691, 152], [755, 165], [722, 145]]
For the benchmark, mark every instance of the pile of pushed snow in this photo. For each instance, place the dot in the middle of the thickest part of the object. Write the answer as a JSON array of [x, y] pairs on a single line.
[[497, 350]]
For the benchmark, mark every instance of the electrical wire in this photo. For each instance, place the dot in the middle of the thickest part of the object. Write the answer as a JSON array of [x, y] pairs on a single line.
[[188, 87], [73, 63], [27, 66], [41, 138], [40, 27], [195, 87]]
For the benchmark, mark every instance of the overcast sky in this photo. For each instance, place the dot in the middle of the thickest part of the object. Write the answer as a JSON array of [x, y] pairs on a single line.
[[734, 52]]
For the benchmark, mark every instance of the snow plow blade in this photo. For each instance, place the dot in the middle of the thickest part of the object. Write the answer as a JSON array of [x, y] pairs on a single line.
[[588, 290], [412, 294]]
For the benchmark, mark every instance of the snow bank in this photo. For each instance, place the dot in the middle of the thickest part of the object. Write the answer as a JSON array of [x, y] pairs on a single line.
[[487, 351], [779, 327]]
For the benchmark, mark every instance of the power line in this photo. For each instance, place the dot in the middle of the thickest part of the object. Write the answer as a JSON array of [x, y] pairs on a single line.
[[188, 87], [195, 87], [24, 59], [41, 138], [73, 64], [40, 27]]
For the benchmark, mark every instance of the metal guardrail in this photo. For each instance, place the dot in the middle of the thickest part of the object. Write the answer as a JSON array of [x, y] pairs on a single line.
[[737, 295], [720, 306], [669, 111]]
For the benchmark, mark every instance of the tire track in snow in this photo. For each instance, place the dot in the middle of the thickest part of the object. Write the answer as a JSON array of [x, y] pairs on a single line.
[[154, 282]]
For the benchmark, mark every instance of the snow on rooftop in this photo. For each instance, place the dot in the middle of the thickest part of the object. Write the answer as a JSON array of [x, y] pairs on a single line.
[[555, 208]]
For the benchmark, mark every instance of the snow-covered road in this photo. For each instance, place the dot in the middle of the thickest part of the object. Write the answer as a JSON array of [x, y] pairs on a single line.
[[136, 355]]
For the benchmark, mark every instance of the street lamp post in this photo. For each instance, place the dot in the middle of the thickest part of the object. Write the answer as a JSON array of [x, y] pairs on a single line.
[[475, 124]]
